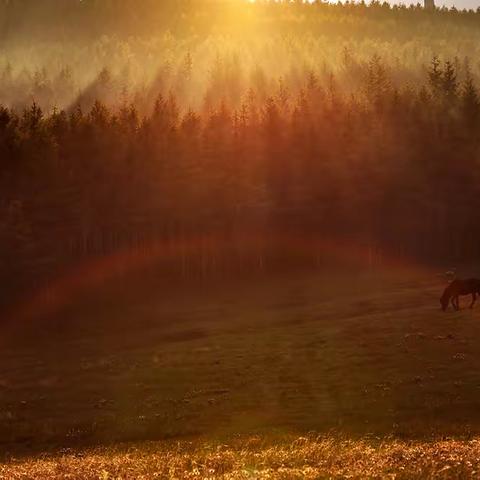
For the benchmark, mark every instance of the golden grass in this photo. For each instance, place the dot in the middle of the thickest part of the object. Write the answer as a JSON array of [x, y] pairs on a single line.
[[258, 458]]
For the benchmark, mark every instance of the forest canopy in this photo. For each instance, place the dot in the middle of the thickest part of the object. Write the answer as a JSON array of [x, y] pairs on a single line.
[[126, 123]]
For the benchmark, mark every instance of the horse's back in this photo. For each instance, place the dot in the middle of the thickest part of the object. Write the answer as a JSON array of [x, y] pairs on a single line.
[[465, 287], [474, 284]]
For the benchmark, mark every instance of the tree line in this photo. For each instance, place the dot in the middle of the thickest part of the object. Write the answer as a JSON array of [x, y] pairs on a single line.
[[394, 170], [60, 53], [91, 18]]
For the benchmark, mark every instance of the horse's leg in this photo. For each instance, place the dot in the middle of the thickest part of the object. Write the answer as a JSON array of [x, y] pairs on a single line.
[[474, 299], [455, 303]]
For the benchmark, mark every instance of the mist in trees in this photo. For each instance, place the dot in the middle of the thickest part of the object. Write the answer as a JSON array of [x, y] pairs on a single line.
[[374, 143]]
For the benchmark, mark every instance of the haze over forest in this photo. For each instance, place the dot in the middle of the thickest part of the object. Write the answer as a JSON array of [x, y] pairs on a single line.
[[145, 122]]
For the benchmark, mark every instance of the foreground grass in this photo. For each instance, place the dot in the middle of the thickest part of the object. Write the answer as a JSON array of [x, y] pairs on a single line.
[[290, 458]]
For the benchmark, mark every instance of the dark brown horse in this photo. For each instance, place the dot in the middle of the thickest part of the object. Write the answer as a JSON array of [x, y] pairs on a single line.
[[458, 288]]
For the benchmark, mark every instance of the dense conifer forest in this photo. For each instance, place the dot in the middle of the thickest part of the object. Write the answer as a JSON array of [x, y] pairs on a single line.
[[231, 126]]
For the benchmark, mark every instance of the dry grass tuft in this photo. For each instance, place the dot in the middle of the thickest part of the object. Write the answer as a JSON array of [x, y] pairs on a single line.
[[257, 458]]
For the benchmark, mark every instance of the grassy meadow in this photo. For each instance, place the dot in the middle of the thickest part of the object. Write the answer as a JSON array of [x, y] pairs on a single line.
[[361, 371], [223, 227]]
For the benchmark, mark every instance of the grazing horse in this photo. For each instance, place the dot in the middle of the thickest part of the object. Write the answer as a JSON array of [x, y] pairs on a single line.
[[458, 288]]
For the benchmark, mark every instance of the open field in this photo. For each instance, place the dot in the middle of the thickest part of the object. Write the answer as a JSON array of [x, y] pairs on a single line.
[[225, 227], [364, 356]]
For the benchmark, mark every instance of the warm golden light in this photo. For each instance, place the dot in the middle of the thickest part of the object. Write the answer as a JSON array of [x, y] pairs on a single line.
[[239, 239]]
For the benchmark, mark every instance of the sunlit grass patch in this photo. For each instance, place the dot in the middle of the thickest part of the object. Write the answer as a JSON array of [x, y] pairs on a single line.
[[260, 458]]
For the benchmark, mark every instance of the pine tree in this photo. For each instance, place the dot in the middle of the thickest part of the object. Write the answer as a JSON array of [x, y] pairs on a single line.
[[470, 101], [378, 83], [449, 82], [435, 76]]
